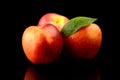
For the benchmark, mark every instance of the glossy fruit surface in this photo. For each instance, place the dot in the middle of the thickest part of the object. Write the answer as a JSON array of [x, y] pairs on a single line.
[[85, 43], [53, 18], [42, 44]]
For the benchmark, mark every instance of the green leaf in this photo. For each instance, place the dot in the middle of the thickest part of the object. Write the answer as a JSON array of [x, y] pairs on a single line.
[[76, 23]]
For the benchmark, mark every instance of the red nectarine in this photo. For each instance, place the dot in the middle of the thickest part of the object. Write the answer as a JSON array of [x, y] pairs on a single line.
[[53, 18], [84, 43], [42, 44]]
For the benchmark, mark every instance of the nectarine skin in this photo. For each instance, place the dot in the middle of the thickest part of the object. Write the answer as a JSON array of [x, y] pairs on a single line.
[[53, 18], [42, 44], [85, 43]]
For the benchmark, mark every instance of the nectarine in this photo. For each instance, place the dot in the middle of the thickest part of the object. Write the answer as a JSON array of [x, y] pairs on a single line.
[[85, 42], [53, 18], [42, 44]]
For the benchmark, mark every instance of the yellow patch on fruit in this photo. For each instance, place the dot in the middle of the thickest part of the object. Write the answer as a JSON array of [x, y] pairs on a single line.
[[59, 22]]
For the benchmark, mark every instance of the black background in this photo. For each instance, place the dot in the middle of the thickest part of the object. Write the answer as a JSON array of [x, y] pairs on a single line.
[[19, 15]]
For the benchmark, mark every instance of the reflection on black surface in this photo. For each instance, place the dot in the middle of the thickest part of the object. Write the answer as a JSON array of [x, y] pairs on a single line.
[[33, 73]]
